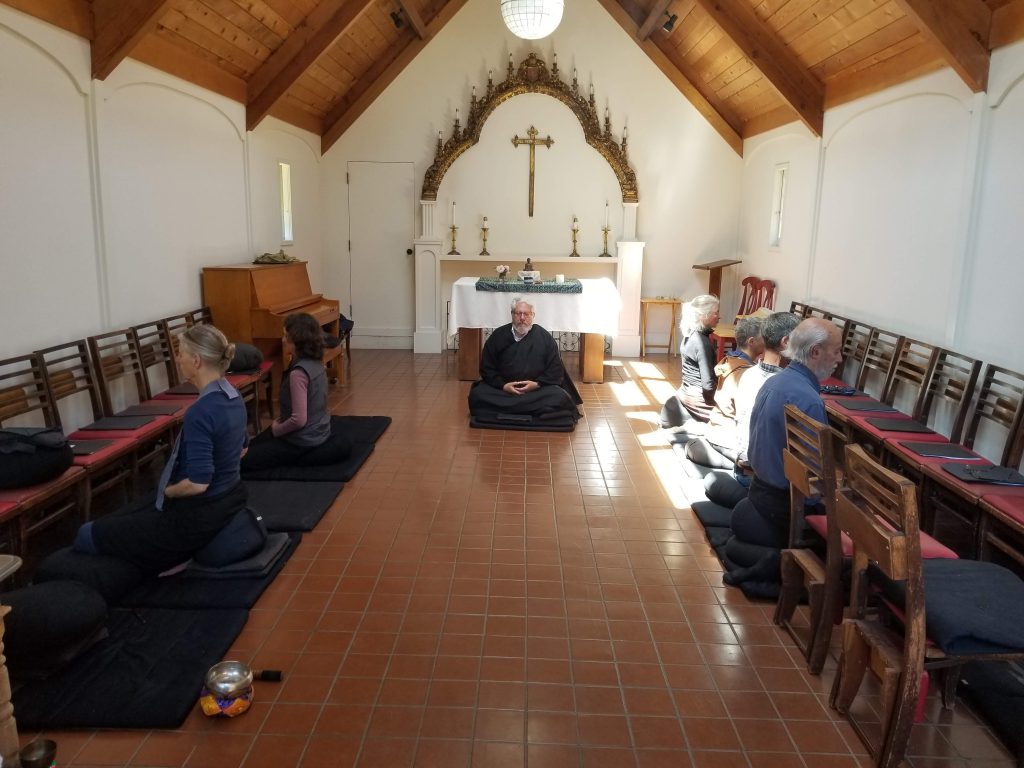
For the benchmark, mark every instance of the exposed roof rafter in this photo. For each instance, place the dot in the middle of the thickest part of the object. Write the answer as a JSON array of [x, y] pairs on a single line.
[[651, 22], [1007, 24], [780, 67], [679, 79], [415, 20], [318, 32], [118, 27], [963, 44]]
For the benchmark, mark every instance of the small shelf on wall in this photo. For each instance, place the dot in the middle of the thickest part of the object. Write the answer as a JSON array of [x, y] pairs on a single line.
[[516, 258]]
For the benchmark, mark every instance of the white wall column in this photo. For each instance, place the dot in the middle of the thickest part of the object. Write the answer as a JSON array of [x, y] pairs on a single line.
[[628, 278]]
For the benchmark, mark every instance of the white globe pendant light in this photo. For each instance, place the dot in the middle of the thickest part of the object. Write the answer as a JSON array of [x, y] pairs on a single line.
[[532, 19]]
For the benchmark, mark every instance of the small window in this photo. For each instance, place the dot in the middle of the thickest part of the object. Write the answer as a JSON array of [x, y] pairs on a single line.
[[286, 203], [778, 205]]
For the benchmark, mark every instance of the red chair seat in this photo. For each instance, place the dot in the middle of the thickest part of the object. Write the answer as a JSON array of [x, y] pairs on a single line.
[[861, 425], [155, 427], [19, 496], [930, 548], [1011, 507], [116, 450]]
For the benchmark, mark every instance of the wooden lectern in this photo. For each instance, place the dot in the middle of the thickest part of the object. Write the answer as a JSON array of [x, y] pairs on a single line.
[[714, 269]]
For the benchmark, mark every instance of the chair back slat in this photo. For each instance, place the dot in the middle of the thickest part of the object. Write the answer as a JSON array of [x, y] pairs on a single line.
[[155, 349], [68, 370], [879, 357], [914, 363], [810, 465], [23, 389], [855, 337], [116, 357], [799, 308], [952, 381]]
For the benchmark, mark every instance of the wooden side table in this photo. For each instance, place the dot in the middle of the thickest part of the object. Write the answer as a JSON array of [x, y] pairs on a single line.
[[675, 304]]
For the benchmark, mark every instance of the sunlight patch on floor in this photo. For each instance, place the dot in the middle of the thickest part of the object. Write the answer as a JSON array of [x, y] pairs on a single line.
[[669, 472], [628, 393]]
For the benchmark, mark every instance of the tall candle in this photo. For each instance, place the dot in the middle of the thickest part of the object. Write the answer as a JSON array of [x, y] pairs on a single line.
[[575, 224], [485, 222], [606, 213], [474, 91], [453, 213], [606, 113]]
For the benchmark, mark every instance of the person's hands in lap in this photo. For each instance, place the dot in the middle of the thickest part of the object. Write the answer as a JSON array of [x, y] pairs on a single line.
[[520, 387]]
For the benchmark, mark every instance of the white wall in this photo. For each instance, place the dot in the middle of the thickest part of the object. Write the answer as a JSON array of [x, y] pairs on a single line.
[[906, 213], [688, 177], [114, 195]]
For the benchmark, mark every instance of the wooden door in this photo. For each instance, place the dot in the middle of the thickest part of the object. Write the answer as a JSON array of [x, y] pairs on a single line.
[[381, 207]]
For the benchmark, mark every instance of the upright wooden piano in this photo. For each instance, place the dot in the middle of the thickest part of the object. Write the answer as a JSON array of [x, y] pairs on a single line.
[[249, 303]]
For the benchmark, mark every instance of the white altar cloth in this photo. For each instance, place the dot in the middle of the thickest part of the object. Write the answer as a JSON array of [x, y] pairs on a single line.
[[595, 310]]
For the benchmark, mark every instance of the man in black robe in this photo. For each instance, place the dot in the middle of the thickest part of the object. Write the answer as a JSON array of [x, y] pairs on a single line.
[[521, 375]]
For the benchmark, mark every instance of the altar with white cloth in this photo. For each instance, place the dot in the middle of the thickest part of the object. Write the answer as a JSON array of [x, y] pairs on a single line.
[[593, 314]]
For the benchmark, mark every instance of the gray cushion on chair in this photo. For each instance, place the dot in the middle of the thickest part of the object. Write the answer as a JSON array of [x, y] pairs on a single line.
[[970, 606]]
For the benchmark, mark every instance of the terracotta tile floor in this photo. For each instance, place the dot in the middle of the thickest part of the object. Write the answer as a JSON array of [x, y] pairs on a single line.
[[486, 598]]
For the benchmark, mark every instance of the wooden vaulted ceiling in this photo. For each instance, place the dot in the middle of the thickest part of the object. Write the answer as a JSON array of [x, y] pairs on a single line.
[[747, 65]]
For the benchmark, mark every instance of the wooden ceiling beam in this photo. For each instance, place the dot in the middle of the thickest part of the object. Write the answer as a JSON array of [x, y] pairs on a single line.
[[118, 26], [415, 20], [75, 16], [651, 22], [160, 53], [780, 67], [1007, 24], [914, 62], [318, 32], [678, 78], [963, 44], [379, 77]]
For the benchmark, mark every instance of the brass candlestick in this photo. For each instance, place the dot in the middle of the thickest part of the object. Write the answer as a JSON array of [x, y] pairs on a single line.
[[606, 229], [483, 233], [575, 234], [453, 251]]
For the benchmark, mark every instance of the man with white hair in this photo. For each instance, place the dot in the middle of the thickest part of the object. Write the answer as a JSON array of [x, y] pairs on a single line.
[[521, 374], [814, 349]]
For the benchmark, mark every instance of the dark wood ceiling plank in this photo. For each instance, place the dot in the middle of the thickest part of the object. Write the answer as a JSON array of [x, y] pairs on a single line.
[[894, 34], [829, 30], [745, 80], [292, 113], [118, 26], [962, 43], [197, 52], [671, 68], [803, 92], [172, 56], [75, 16], [206, 17], [1007, 24], [378, 78], [770, 120], [255, 27], [415, 20], [217, 47], [319, 31], [654, 19], [908, 65], [266, 15]]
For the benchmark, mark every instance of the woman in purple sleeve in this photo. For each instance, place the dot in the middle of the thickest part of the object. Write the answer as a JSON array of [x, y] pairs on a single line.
[[301, 435]]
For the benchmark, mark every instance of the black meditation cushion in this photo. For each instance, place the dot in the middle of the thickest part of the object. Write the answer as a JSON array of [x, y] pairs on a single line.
[[242, 537], [111, 577], [49, 624], [247, 358]]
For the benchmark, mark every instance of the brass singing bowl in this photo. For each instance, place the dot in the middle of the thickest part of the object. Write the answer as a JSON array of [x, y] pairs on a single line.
[[39, 754], [229, 678]]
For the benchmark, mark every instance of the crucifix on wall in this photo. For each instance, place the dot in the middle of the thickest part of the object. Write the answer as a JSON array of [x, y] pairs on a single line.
[[532, 142]]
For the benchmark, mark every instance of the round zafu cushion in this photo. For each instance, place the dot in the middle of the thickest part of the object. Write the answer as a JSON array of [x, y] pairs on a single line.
[[242, 537], [50, 623], [724, 489], [247, 358], [751, 526], [111, 577]]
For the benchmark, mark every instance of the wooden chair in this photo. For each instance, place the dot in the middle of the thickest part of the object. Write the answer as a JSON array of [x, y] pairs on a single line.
[[879, 359], [810, 464], [926, 624], [68, 372], [855, 345], [155, 351], [757, 293], [26, 511], [800, 309], [997, 417]]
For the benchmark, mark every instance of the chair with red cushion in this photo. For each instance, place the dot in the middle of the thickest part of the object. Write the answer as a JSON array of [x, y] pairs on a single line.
[[27, 510], [932, 615]]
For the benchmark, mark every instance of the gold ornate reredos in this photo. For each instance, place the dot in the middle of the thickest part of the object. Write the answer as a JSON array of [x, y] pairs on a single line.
[[532, 76]]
